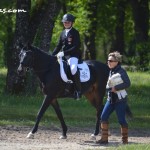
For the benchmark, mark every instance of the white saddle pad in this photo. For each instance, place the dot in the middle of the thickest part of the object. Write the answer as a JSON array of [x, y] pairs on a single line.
[[83, 68]]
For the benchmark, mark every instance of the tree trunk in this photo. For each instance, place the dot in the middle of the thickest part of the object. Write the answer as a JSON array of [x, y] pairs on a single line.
[[8, 42], [14, 84], [47, 25], [89, 37], [141, 18], [118, 44], [140, 10]]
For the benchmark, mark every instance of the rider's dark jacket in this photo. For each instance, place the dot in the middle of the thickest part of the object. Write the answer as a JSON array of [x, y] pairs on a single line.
[[70, 44], [126, 83]]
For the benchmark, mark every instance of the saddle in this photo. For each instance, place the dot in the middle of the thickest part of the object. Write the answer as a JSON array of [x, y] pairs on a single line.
[[65, 71]]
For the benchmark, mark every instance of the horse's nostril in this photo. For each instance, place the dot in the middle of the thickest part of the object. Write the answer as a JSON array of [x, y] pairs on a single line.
[[18, 71]]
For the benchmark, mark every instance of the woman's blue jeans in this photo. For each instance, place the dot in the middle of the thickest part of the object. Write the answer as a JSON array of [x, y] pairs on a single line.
[[119, 107]]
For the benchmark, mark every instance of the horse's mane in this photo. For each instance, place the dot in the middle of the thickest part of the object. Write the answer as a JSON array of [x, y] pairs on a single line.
[[34, 48], [42, 55]]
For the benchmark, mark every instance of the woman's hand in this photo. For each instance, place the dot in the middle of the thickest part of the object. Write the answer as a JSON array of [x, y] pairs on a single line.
[[113, 89]]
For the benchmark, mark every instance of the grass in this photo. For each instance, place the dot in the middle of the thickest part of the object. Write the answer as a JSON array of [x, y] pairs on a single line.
[[22, 111], [139, 99], [132, 147]]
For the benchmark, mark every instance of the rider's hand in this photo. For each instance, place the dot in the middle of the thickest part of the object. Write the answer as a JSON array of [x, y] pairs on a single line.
[[60, 54]]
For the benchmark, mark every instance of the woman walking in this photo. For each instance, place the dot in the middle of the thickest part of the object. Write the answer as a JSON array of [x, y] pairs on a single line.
[[117, 98]]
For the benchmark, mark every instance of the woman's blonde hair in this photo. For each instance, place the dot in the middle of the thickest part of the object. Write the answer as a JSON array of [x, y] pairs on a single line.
[[116, 55]]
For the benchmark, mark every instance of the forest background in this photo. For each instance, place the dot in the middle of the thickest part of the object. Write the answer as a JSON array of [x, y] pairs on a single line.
[[104, 26]]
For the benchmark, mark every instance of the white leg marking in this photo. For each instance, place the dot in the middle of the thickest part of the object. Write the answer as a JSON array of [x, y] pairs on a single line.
[[30, 135]]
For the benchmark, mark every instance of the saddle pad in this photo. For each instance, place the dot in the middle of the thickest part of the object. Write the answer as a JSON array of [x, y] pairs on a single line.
[[83, 68]]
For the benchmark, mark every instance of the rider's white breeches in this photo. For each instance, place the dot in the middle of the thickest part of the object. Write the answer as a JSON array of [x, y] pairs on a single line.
[[73, 62]]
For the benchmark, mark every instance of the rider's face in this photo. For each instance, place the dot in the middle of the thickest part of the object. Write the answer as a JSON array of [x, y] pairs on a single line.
[[67, 24]]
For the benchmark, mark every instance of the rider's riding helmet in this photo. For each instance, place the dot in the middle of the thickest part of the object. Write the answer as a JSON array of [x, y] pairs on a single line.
[[68, 17]]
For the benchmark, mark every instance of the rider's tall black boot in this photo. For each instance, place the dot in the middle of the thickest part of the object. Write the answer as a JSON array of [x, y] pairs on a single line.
[[76, 80]]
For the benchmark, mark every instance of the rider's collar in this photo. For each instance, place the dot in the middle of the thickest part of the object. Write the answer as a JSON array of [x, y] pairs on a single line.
[[67, 30]]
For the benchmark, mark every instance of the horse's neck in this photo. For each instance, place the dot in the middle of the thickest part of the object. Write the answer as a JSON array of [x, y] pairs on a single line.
[[41, 59], [42, 64]]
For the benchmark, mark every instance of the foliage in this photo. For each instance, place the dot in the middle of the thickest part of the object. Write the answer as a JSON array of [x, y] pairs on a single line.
[[56, 32], [105, 31], [143, 49], [2, 79], [141, 58], [7, 27], [106, 27]]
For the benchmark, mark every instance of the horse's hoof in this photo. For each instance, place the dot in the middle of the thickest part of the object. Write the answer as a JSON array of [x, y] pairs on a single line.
[[30, 135], [93, 137], [63, 137]]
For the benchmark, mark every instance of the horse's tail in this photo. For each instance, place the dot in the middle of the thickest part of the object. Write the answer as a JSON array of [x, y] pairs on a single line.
[[102, 77]]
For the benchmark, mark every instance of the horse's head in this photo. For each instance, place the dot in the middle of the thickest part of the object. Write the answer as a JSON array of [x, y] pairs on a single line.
[[26, 61]]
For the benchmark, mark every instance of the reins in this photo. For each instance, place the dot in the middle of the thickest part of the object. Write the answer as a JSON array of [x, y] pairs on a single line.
[[44, 70]]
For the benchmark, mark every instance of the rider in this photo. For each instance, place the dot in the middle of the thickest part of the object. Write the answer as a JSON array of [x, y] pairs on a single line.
[[69, 47]]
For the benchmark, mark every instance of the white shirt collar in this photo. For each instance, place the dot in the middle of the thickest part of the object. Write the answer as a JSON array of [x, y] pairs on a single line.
[[67, 30]]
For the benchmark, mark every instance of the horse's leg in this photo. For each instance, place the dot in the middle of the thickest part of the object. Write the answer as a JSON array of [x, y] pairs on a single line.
[[98, 115], [60, 117], [45, 105], [99, 108], [96, 99]]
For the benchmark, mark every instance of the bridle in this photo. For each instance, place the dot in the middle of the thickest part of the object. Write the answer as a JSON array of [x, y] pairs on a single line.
[[30, 65]]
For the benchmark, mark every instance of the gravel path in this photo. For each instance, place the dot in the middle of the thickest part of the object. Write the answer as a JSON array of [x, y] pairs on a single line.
[[14, 138]]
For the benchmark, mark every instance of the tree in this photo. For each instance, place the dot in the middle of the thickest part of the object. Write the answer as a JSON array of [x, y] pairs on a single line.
[[42, 17], [109, 18], [6, 30], [119, 43], [90, 35], [13, 82], [46, 27], [140, 9]]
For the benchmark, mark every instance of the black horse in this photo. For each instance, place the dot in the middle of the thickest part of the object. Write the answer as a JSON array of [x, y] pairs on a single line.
[[47, 69]]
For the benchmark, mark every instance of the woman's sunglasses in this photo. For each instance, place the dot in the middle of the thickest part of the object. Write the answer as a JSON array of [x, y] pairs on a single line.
[[111, 61]]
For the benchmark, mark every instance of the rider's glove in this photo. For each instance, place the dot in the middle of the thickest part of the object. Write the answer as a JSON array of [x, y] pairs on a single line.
[[60, 54]]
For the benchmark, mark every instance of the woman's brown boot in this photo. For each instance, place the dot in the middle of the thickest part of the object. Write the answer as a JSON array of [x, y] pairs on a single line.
[[104, 133], [124, 133]]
